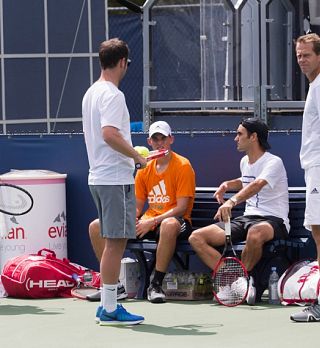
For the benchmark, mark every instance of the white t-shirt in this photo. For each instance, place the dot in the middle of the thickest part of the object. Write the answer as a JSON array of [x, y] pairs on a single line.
[[273, 198], [104, 105], [310, 142]]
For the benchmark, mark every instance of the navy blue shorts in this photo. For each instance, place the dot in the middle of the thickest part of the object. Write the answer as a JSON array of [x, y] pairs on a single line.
[[241, 224]]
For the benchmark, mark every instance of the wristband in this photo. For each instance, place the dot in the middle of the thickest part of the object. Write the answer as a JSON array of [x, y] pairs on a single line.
[[234, 200], [155, 223]]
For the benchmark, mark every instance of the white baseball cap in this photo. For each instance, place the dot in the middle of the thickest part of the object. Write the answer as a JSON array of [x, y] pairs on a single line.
[[161, 127]]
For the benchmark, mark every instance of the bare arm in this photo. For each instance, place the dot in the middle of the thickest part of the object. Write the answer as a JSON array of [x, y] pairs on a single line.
[[114, 139], [139, 207], [250, 190], [231, 185]]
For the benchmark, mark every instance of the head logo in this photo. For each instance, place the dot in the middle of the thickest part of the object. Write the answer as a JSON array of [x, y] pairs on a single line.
[[48, 284]]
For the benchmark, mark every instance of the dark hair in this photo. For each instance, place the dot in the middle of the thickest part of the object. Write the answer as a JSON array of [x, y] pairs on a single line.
[[310, 38], [255, 125], [111, 51]]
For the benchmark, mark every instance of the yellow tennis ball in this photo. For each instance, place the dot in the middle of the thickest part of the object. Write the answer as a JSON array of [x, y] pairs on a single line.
[[142, 150]]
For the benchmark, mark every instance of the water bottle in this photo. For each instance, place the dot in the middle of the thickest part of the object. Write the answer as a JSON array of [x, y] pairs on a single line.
[[273, 286], [87, 277]]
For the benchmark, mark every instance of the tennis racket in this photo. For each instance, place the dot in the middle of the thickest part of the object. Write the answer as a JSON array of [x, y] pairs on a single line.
[[230, 277], [81, 290], [153, 155], [14, 200]]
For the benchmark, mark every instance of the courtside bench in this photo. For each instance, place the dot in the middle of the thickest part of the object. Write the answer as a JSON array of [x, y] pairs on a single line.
[[279, 253]]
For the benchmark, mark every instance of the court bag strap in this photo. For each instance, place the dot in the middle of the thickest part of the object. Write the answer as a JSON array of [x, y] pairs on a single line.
[[40, 275], [299, 284]]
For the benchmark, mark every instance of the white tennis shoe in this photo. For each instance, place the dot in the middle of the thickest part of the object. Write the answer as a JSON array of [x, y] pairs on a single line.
[[252, 292], [239, 287], [224, 293]]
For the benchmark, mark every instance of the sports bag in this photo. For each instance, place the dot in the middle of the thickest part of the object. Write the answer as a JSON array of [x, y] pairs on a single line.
[[41, 275], [299, 284]]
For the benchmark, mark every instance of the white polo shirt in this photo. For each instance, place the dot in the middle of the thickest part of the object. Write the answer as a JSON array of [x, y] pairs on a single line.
[[104, 105], [273, 198]]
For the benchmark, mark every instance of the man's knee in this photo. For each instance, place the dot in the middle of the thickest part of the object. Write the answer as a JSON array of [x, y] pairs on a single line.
[[94, 229], [170, 227], [211, 235], [259, 234], [196, 239]]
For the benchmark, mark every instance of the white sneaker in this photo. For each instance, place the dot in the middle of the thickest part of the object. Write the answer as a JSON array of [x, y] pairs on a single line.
[[224, 293], [121, 292], [96, 295], [251, 296], [156, 294], [239, 288]]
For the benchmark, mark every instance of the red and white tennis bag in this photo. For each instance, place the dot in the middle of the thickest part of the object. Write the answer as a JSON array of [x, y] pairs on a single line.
[[41, 275], [300, 283]]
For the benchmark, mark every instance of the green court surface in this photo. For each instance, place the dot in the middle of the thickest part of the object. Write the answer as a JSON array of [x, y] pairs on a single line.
[[61, 323]]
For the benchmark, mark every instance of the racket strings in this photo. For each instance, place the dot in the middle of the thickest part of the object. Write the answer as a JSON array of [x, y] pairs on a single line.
[[230, 282]]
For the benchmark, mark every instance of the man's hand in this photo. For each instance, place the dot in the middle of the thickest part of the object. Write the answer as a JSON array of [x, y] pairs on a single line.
[[220, 193], [141, 160], [144, 226], [224, 211]]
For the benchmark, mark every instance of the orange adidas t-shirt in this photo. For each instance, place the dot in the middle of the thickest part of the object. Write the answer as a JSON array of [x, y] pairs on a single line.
[[162, 190]]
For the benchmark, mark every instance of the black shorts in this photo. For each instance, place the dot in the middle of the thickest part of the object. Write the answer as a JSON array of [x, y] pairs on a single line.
[[241, 224], [185, 230]]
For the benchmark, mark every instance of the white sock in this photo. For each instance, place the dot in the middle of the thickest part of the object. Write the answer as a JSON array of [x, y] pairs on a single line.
[[109, 297], [101, 297]]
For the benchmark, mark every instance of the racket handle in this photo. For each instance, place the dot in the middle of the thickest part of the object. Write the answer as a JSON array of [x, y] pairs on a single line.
[[227, 227]]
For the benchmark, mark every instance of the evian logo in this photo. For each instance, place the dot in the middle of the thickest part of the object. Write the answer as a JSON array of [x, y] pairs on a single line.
[[48, 284], [59, 227], [16, 233], [158, 194]]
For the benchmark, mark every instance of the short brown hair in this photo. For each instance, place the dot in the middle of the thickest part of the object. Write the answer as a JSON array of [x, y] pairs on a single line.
[[256, 125], [111, 51], [312, 38]]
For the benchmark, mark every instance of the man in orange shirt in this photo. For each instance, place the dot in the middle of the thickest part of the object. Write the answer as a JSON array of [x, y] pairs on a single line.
[[167, 184]]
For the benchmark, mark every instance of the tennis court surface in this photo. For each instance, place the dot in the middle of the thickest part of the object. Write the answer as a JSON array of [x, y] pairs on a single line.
[[61, 323]]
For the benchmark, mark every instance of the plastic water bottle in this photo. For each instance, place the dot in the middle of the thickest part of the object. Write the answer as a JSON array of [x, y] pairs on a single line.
[[87, 276], [273, 286]]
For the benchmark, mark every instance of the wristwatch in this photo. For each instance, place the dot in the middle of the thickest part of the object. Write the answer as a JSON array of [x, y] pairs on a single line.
[[234, 200]]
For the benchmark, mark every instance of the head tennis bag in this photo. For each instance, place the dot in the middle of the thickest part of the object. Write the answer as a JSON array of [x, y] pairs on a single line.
[[299, 284], [40, 275]]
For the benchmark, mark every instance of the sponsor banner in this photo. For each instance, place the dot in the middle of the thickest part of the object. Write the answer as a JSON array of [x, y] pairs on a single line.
[[45, 226]]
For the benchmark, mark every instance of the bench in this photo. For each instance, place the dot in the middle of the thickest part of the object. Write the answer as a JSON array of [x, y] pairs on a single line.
[[279, 253]]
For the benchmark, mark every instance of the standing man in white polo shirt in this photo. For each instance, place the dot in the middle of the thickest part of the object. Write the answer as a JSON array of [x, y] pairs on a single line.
[[106, 126], [308, 57]]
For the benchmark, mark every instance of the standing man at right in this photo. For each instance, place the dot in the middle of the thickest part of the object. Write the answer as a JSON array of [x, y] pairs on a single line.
[[308, 57]]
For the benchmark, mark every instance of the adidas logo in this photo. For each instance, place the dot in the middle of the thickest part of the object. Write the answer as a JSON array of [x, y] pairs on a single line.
[[314, 191], [158, 194]]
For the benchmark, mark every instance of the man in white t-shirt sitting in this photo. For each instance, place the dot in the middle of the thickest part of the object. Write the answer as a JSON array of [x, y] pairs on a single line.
[[263, 185]]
